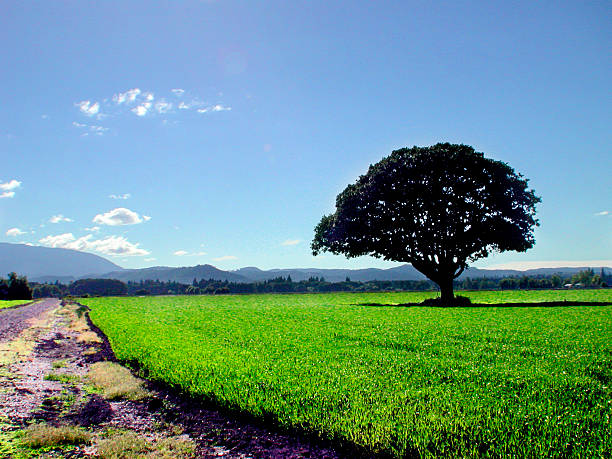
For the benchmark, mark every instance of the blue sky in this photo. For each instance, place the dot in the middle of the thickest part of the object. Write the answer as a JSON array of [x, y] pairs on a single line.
[[183, 133]]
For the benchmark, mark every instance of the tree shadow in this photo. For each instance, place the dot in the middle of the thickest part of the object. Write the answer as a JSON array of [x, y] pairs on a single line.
[[538, 304]]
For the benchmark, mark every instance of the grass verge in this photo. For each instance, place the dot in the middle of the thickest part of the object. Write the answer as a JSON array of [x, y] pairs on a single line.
[[116, 382]]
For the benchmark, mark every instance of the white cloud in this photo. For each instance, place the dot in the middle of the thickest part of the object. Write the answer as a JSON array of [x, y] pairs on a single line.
[[7, 194], [119, 216], [59, 218], [142, 109], [97, 130], [146, 218], [183, 253], [118, 245], [602, 213], [14, 232], [214, 108], [184, 106], [178, 92], [289, 242], [60, 240], [128, 96], [220, 108], [10, 185], [150, 259], [162, 106], [148, 96], [88, 108], [111, 245], [225, 258], [93, 229], [120, 196]]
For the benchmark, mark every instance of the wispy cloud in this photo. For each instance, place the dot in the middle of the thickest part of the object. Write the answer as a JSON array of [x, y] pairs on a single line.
[[142, 109], [88, 108], [128, 96], [602, 213], [119, 216], [290, 242], [144, 104], [7, 188], [14, 232], [162, 107], [59, 219], [184, 253], [150, 259], [214, 108], [93, 229], [90, 128], [120, 196], [111, 245], [226, 258]]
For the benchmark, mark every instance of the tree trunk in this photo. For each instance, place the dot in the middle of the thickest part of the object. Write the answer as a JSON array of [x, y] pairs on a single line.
[[446, 291]]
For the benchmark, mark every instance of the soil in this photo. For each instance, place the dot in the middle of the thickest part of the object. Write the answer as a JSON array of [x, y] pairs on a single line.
[[36, 341]]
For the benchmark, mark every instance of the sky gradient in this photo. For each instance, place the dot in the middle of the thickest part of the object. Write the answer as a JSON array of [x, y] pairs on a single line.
[[183, 133]]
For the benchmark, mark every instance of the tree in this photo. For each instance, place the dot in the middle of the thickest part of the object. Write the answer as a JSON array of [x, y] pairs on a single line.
[[18, 288], [436, 207]]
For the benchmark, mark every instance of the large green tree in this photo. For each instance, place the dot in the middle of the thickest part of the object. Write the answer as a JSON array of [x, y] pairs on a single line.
[[436, 207]]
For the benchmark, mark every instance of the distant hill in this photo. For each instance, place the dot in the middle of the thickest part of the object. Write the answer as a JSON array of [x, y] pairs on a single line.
[[184, 275], [44, 264], [62, 264], [404, 272]]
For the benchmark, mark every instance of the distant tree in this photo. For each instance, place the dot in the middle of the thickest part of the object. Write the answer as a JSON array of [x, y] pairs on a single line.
[[192, 290], [437, 208], [46, 291], [4, 291], [18, 288], [99, 287]]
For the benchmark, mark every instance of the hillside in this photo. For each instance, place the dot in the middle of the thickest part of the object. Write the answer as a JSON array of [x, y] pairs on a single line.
[[44, 264], [36, 261], [184, 275]]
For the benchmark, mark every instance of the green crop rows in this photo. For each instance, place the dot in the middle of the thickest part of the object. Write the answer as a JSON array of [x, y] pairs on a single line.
[[479, 381]]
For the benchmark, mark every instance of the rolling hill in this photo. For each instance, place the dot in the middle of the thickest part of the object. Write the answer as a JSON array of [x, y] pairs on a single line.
[[63, 264], [43, 264]]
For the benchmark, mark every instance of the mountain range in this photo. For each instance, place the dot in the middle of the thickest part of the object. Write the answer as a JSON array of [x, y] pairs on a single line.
[[44, 264]]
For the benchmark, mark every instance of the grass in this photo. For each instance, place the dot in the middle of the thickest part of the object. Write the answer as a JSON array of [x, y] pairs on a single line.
[[62, 377], [42, 436], [445, 382], [59, 363], [116, 382], [129, 445], [11, 303]]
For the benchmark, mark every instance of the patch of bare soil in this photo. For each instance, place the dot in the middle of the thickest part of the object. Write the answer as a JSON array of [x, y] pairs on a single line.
[[46, 378]]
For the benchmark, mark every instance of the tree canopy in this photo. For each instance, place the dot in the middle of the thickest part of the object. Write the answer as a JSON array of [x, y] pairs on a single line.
[[436, 207]]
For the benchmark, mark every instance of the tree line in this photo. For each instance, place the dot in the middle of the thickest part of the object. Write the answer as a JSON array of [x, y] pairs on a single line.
[[15, 288], [112, 287]]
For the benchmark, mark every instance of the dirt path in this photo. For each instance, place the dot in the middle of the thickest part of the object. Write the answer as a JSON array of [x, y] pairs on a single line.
[[56, 373], [14, 320]]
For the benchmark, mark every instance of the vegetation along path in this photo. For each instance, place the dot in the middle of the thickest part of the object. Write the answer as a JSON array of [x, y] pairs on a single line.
[[62, 394]]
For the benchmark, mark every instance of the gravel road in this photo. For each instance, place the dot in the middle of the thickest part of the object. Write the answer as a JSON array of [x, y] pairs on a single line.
[[14, 320]]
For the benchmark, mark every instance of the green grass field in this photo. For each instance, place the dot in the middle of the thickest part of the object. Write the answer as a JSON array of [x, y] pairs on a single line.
[[446, 382], [9, 303]]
